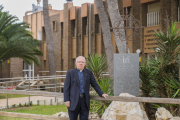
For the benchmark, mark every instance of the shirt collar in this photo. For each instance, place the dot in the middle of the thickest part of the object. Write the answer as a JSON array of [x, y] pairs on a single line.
[[80, 70]]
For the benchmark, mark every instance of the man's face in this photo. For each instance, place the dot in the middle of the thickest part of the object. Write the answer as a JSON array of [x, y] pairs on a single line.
[[80, 63]]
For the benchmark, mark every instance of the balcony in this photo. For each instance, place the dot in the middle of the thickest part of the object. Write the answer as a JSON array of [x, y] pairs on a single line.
[[153, 18]]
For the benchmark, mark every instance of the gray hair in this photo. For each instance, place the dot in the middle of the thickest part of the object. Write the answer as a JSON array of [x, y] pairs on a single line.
[[82, 57]]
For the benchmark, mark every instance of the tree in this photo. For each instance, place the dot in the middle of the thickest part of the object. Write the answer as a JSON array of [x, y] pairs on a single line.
[[49, 39], [160, 78], [97, 64], [16, 41], [117, 21], [106, 35]]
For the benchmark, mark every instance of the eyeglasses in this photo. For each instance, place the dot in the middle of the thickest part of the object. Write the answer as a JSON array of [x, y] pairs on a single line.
[[80, 62]]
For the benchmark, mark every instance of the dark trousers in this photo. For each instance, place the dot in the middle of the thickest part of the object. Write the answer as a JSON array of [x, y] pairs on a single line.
[[80, 110]]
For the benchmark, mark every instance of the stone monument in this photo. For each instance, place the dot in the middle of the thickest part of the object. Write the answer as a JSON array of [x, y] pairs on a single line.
[[126, 74]]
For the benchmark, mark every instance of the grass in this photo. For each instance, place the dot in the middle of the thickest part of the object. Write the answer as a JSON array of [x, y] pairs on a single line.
[[43, 110], [3, 96]]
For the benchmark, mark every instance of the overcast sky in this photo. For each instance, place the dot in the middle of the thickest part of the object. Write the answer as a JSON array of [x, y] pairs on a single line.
[[19, 7]]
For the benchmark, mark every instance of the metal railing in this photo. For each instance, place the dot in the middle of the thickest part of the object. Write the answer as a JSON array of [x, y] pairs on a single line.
[[39, 83], [103, 73], [29, 83], [43, 83], [46, 73], [153, 18]]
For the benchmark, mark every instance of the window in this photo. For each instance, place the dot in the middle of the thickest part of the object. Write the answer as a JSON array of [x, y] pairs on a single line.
[[86, 30], [155, 7], [129, 20], [74, 31], [28, 70], [73, 28], [74, 60], [44, 65], [153, 15], [54, 25], [99, 27], [62, 64], [43, 31], [39, 35]]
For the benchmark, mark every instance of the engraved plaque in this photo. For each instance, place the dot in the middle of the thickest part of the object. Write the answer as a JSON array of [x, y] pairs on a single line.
[[126, 74], [149, 38]]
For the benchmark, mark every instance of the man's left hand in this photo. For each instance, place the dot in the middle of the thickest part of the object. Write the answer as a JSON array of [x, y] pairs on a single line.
[[104, 95]]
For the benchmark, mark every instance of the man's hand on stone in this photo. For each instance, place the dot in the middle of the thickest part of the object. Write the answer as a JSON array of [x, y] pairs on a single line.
[[104, 95], [67, 104]]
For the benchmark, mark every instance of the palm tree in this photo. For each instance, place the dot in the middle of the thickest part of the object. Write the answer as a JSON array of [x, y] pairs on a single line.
[[115, 16], [167, 65], [16, 41], [147, 85], [163, 71], [49, 39], [106, 35], [97, 65]]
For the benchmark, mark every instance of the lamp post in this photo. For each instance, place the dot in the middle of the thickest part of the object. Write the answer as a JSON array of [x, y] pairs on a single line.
[[139, 51]]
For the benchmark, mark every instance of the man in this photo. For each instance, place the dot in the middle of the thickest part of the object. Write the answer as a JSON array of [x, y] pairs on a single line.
[[76, 90]]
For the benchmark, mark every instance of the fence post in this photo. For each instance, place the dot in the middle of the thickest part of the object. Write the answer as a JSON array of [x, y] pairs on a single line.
[[60, 85], [51, 102], [12, 88], [7, 96], [29, 90], [37, 80], [55, 87]]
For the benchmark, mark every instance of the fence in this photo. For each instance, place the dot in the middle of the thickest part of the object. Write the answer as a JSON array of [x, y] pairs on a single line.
[[29, 83], [53, 83], [57, 72], [153, 18], [55, 94], [46, 73], [45, 83], [59, 94]]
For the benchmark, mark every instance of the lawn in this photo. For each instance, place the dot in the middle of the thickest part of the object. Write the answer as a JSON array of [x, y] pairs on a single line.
[[3, 96], [43, 110]]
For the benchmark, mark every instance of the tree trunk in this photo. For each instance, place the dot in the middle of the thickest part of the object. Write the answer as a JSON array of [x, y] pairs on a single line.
[[49, 40], [117, 21], [106, 35]]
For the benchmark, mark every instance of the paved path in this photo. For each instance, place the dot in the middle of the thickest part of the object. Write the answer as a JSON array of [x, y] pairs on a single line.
[[12, 101]]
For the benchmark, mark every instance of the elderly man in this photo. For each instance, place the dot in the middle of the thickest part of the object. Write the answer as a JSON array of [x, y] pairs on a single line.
[[76, 90]]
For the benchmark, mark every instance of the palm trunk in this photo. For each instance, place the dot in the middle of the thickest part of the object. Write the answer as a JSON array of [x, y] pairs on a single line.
[[117, 21], [106, 35], [49, 40]]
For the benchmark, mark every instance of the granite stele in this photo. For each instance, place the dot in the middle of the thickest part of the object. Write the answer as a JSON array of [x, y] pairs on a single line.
[[126, 74]]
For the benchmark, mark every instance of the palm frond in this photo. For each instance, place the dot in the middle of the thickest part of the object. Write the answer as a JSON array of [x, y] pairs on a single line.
[[16, 41]]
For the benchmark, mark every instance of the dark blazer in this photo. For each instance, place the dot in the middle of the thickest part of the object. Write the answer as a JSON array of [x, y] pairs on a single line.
[[72, 87]]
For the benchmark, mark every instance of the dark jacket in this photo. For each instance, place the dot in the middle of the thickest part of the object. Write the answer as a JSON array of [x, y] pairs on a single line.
[[72, 87]]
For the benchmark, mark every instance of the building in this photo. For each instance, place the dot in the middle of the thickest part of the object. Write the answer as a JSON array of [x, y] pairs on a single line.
[[77, 31]]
